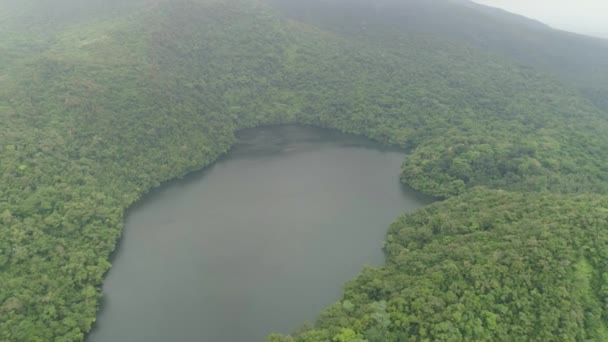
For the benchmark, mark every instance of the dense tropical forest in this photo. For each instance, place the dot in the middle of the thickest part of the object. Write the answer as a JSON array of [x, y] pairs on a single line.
[[101, 101], [485, 266]]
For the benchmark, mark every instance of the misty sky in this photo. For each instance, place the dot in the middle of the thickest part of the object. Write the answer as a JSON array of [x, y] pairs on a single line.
[[582, 16]]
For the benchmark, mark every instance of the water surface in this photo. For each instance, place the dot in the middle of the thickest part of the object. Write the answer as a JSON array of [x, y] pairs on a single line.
[[259, 242]]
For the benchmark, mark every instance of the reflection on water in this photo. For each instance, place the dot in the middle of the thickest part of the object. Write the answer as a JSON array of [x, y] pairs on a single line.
[[274, 140], [260, 242]]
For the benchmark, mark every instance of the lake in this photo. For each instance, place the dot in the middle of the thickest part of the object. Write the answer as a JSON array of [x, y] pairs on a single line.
[[259, 242]]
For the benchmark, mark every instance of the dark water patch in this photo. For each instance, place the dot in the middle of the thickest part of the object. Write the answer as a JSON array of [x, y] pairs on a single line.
[[259, 242]]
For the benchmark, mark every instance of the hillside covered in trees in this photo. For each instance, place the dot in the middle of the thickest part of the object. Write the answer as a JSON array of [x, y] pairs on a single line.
[[484, 266], [103, 100]]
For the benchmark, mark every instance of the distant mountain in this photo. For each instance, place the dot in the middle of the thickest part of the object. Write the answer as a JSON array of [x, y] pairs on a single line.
[[101, 101], [574, 58]]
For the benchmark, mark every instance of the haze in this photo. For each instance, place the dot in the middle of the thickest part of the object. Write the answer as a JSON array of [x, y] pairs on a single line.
[[588, 17], [131, 211]]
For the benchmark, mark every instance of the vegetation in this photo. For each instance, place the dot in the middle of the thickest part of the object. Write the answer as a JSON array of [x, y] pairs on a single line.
[[485, 266], [101, 103]]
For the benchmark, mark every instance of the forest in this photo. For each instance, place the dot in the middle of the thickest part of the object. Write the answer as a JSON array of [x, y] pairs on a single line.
[[101, 101]]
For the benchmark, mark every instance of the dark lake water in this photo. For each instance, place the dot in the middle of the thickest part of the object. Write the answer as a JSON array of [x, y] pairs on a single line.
[[259, 242]]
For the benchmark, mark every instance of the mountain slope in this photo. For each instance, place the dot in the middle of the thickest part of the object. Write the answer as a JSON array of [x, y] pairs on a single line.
[[574, 59], [486, 266], [105, 103]]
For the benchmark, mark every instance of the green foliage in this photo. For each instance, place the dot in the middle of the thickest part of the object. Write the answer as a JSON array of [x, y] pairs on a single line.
[[485, 266], [573, 59], [101, 103]]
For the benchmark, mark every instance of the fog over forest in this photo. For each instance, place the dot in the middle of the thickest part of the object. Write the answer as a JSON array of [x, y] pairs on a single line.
[[588, 17], [500, 120]]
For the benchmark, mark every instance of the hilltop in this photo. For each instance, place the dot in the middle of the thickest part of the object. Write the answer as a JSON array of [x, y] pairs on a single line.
[[101, 103]]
